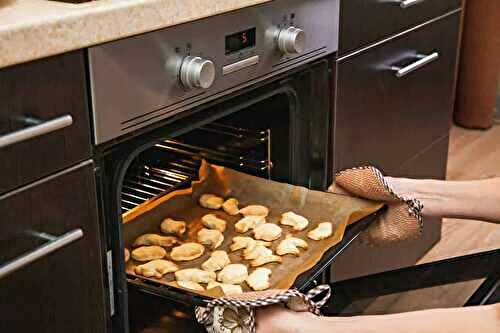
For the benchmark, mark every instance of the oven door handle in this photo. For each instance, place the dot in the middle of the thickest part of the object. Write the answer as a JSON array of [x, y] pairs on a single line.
[[54, 243], [421, 62], [408, 3], [31, 132]]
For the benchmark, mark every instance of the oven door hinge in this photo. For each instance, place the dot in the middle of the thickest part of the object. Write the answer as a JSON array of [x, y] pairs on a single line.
[[109, 265]]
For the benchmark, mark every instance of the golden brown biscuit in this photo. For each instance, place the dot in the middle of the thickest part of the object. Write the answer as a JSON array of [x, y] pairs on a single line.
[[244, 242], [255, 210], [156, 268], [187, 251], [171, 226], [233, 274], [259, 279], [322, 231], [262, 260], [257, 251], [211, 238], [211, 221], [217, 261], [230, 206], [290, 245], [211, 201], [194, 275], [249, 222], [154, 239], [296, 221], [241, 242], [190, 285], [267, 232], [227, 289], [126, 254], [147, 253]]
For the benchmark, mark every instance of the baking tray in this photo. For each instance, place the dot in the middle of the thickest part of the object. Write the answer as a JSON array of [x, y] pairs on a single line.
[[183, 204]]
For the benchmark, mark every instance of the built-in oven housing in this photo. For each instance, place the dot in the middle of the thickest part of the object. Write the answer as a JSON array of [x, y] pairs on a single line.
[[249, 90]]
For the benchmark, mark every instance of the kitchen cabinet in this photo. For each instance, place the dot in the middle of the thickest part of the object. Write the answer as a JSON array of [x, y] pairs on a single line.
[[360, 259], [393, 109], [363, 22], [44, 118], [385, 120], [62, 291]]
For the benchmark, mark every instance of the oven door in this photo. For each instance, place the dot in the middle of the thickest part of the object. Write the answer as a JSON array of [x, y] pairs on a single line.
[[293, 109]]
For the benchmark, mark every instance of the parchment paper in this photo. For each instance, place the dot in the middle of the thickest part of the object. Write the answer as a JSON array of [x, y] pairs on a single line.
[[183, 204]]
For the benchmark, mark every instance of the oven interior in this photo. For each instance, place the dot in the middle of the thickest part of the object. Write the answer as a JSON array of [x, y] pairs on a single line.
[[255, 140], [277, 129]]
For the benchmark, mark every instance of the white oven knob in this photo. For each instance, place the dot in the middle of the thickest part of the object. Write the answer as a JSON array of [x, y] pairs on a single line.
[[291, 40], [197, 72]]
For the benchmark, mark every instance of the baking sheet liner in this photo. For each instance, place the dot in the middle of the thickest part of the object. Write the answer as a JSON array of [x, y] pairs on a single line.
[[316, 206]]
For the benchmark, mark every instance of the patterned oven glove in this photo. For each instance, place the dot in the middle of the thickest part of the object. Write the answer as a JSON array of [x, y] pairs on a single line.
[[403, 218], [236, 313]]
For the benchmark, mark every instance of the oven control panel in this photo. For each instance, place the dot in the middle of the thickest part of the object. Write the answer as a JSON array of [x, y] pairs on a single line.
[[140, 80]]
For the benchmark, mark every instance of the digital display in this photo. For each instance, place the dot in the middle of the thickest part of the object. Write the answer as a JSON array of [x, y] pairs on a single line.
[[240, 40]]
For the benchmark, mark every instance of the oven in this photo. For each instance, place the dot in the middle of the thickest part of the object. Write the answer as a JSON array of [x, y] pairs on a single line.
[[249, 90]]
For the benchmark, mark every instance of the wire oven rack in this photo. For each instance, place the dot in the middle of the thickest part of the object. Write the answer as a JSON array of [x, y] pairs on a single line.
[[173, 164]]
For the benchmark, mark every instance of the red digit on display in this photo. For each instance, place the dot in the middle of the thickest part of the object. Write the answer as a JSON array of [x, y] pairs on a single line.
[[244, 38]]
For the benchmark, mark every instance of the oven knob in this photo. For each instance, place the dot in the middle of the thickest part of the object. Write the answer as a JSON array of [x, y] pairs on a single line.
[[196, 72], [291, 40]]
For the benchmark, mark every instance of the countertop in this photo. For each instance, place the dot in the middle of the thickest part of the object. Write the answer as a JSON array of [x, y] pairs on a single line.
[[33, 29]]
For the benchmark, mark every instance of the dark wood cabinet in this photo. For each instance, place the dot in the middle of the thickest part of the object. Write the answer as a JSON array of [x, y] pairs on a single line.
[[363, 22], [360, 259], [386, 120], [398, 122], [45, 96], [63, 291]]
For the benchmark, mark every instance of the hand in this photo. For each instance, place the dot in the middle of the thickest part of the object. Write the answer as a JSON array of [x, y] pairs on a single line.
[[278, 319]]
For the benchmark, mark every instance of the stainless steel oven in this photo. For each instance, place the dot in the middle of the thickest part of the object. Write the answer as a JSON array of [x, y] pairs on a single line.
[[249, 90]]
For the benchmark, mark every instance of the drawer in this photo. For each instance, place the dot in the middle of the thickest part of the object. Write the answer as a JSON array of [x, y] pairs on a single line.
[[56, 222], [385, 112], [363, 22], [44, 120]]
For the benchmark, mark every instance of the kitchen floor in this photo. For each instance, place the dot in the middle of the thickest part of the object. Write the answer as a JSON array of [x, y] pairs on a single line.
[[473, 154]]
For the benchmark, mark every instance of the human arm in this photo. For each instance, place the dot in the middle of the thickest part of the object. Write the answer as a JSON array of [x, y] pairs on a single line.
[[475, 199], [484, 319], [409, 199]]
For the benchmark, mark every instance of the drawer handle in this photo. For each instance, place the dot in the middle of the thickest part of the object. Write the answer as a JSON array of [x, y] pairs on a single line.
[[54, 243], [408, 3], [421, 62], [37, 130]]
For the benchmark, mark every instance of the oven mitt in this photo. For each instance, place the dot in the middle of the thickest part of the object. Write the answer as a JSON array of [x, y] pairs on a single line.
[[236, 313], [403, 217]]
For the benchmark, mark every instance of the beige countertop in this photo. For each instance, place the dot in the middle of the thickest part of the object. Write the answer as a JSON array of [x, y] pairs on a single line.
[[33, 29]]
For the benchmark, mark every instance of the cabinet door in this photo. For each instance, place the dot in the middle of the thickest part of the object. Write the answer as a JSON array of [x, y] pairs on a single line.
[[360, 259], [62, 291], [44, 119], [381, 19], [384, 118]]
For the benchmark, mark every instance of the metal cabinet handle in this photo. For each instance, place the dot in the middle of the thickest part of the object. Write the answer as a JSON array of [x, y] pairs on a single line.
[[54, 243], [408, 3], [421, 62], [37, 130]]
